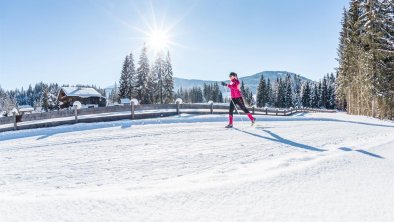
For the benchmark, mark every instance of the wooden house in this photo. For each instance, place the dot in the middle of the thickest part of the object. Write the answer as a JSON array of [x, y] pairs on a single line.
[[88, 97]]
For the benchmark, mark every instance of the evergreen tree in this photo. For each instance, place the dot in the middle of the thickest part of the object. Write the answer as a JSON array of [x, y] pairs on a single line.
[[132, 81], [331, 91], [124, 87], [297, 91], [288, 98], [315, 98], [262, 93], [196, 95], [319, 95], [306, 95], [143, 78], [114, 94], [366, 57], [324, 93], [217, 94], [168, 82], [211, 92], [158, 78], [207, 92], [343, 59], [270, 93], [45, 99]]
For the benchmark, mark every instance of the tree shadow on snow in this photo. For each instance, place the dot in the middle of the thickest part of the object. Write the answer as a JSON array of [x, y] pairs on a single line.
[[347, 149], [79, 128], [277, 138]]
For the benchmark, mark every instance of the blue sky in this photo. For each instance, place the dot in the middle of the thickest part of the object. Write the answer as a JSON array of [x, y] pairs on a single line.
[[85, 41]]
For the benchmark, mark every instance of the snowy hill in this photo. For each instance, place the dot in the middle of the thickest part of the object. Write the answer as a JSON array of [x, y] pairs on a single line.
[[309, 167], [250, 81]]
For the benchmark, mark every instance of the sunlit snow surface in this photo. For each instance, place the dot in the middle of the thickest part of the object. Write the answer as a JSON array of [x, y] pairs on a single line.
[[309, 167]]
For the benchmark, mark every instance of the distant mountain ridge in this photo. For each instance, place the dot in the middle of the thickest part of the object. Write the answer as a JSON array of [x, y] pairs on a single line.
[[250, 81]]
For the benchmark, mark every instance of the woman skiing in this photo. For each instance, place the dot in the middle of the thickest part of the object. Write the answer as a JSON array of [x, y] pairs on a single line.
[[236, 99]]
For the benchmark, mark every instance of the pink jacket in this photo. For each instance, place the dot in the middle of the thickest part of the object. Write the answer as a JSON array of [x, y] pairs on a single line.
[[234, 87]]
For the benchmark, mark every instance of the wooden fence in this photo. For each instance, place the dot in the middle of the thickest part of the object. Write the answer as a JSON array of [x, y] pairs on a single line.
[[113, 113]]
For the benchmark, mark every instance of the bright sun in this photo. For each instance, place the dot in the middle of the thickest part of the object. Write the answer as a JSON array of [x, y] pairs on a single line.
[[158, 40]]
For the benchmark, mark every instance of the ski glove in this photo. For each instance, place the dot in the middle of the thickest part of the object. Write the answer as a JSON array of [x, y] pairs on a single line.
[[224, 84]]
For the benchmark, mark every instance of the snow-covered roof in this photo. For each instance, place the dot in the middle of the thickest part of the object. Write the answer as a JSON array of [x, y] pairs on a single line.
[[125, 101], [81, 92], [25, 108]]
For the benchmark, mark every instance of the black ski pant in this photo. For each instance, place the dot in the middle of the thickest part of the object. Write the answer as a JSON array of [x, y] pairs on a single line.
[[240, 102]]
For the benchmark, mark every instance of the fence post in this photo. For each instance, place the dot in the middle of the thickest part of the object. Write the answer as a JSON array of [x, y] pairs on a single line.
[[211, 108], [132, 110], [76, 113], [177, 107], [277, 110], [373, 107], [253, 110], [284, 112], [266, 111], [15, 125]]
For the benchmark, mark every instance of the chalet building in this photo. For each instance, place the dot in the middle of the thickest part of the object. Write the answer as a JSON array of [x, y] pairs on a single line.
[[88, 97]]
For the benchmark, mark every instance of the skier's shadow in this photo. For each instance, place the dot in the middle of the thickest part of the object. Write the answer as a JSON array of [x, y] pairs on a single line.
[[347, 149], [277, 138]]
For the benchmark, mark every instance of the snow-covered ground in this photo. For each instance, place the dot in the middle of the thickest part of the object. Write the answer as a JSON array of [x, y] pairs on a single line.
[[309, 167]]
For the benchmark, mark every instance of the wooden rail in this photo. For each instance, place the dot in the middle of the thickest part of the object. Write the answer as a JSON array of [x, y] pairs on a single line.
[[101, 114]]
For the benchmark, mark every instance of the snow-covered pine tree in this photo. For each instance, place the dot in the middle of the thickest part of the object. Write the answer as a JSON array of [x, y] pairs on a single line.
[[324, 93], [152, 87], [277, 93], [132, 81], [297, 91], [221, 100], [168, 82], [143, 74], [306, 95], [114, 94], [262, 93], [366, 56], [288, 99], [319, 94], [354, 53], [331, 91], [270, 93], [45, 98], [124, 82], [378, 48], [196, 95], [343, 59], [158, 71], [186, 96], [206, 92], [315, 96], [217, 97]]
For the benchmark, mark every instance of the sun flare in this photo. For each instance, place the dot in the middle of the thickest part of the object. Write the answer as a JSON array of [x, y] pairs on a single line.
[[158, 40]]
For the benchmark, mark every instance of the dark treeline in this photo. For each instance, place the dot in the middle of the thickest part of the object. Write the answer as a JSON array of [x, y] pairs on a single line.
[[41, 95], [210, 92], [147, 83], [365, 83], [293, 92]]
